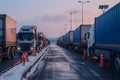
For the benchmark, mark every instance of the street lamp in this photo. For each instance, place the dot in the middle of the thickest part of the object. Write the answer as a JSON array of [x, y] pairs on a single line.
[[71, 19], [103, 7], [82, 2], [65, 28]]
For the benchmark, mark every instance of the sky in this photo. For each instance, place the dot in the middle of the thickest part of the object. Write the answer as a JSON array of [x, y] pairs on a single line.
[[52, 17]]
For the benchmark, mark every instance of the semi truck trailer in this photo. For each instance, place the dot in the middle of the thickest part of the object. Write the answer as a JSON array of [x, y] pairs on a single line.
[[27, 39], [68, 40], [60, 41], [7, 37], [40, 39], [103, 37], [79, 41]]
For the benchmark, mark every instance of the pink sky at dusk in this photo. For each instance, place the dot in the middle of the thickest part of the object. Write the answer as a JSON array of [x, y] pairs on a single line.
[[51, 15]]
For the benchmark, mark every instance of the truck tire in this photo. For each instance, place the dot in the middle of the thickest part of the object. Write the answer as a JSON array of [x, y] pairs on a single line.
[[76, 48], [38, 49], [9, 52], [13, 53], [0, 57], [0, 54], [117, 63]]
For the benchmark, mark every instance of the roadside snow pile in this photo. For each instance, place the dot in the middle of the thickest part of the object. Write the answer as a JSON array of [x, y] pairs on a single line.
[[16, 72]]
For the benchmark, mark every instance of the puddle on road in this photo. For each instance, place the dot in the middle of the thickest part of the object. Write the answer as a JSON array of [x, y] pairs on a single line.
[[57, 67], [62, 66]]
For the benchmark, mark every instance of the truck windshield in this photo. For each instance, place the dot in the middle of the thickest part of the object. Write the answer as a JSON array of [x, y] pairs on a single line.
[[27, 36], [39, 38]]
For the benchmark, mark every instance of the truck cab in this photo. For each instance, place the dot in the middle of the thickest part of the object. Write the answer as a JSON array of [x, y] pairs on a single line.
[[40, 40], [90, 40], [27, 39]]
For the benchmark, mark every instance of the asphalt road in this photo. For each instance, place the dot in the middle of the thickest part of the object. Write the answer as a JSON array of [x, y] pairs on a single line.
[[8, 64], [91, 67], [56, 68], [61, 64]]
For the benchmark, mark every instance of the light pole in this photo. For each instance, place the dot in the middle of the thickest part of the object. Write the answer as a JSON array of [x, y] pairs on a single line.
[[65, 28], [71, 19], [82, 2], [103, 7]]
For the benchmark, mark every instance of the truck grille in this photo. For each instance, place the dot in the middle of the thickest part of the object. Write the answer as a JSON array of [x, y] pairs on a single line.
[[25, 46]]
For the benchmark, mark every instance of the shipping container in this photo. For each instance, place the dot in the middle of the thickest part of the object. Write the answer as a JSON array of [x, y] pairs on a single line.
[[7, 36], [68, 40], [105, 35], [79, 40]]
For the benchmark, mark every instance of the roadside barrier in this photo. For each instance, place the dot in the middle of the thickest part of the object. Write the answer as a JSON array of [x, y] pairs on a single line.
[[38, 58]]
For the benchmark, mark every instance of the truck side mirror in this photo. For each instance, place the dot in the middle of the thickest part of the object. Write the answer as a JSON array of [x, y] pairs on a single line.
[[87, 35]]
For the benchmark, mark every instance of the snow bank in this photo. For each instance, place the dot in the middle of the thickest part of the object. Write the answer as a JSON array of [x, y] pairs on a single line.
[[16, 72]]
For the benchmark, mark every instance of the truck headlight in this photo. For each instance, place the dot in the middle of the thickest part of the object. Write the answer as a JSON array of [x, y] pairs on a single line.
[[32, 48], [18, 48]]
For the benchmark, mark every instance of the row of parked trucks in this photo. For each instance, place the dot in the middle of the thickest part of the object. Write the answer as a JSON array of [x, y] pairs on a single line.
[[100, 38], [12, 43]]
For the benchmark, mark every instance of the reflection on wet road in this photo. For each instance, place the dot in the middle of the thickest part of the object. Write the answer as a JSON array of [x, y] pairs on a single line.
[[56, 68], [61, 64]]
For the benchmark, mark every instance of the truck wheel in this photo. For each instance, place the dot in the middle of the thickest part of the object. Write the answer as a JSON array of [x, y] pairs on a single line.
[[13, 53], [117, 63], [0, 57], [76, 48], [37, 50], [88, 52], [0, 54], [9, 53]]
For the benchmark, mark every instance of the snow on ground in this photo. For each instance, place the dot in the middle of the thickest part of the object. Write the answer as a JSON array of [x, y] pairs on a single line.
[[16, 72]]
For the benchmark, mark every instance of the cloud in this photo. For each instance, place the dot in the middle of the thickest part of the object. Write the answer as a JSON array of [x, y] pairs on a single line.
[[48, 18]]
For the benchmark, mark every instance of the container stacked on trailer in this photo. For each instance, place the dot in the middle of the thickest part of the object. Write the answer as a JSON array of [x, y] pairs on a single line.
[[60, 41], [68, 40], [79, 37], [104, 36], [75, 40], [7, 37]]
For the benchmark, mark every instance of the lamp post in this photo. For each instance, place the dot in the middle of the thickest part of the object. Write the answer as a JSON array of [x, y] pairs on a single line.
[[65, 28], [71, 19], [103, 7], [82, 2]]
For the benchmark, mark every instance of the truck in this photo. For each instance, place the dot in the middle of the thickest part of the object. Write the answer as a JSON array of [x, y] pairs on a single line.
[[68, 40], [40, 41], [60, 41], [79, 41], [27, 39], [103, 37], [7, 37]]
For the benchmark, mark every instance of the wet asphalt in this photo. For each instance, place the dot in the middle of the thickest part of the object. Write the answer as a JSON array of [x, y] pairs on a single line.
[[8, 64], [61, 64]]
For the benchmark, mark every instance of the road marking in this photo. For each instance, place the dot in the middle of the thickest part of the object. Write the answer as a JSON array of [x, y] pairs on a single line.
[[96, 74], [82, 63]]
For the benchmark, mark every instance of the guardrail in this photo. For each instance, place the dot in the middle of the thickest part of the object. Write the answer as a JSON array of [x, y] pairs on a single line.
[[39, 58]]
